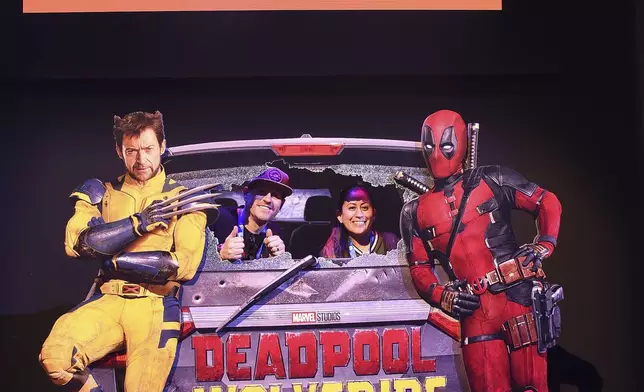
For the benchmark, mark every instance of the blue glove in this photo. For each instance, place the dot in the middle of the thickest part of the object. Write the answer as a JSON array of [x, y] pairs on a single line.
[[95, 221]]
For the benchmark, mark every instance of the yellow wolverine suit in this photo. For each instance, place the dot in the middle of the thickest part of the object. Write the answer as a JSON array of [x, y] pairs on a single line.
[[142, 317]]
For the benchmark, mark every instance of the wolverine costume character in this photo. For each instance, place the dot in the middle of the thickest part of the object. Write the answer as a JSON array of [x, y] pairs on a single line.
[[148, 234], [496, 288]]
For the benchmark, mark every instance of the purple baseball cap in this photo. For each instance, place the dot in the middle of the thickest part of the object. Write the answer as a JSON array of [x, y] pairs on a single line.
[[272, 176]]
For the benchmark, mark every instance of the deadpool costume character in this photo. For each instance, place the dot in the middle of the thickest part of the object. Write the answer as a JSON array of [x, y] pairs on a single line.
[[493, 280]]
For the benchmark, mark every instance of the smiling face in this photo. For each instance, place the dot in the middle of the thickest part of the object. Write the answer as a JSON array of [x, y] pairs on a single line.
[[141, 154], [357, 213], [266, 203]]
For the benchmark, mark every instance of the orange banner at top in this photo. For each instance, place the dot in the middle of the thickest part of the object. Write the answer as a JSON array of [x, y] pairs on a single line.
[[75, 6]]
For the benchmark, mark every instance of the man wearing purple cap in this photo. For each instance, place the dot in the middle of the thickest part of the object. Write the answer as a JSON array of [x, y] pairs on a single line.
[[247, 233]]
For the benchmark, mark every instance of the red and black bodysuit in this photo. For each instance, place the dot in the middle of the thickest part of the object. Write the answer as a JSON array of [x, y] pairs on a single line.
[[494, 276]]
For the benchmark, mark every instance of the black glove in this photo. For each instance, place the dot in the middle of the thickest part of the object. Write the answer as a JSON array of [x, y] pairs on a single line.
[[533, 253], [149, 219], [458, 303]]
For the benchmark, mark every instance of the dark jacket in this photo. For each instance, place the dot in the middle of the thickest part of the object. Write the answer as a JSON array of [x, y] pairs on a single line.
[[252, 242], [336, 245]]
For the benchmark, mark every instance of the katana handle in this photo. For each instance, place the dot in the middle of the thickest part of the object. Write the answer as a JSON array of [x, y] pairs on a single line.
[[473, 131], [410, 182]]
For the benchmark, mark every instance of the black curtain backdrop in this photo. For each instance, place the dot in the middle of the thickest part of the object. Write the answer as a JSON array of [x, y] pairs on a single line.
[[554, 87]]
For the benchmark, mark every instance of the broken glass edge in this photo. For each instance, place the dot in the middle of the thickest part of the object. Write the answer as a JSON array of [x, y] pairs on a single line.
[[375, 175]]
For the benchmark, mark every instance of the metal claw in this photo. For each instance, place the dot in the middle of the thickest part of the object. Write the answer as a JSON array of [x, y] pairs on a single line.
[[196, 207], [184, 194], [187, 201]]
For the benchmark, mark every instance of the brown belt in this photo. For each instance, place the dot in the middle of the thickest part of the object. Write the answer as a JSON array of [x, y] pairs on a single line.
[[520, 331], [517, 332], [506, 273], [133, 290]]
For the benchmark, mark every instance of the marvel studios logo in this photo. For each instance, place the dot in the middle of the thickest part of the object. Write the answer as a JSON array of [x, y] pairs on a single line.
[[314, 317]]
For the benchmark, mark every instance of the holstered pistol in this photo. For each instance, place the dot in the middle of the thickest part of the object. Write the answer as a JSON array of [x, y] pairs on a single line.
[[547, 314]]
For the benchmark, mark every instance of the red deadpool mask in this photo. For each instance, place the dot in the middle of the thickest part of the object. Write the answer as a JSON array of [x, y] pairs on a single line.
[[444, 141]]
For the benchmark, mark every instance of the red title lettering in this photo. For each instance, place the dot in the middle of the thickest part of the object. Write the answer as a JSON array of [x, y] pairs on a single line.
[[393, 352]]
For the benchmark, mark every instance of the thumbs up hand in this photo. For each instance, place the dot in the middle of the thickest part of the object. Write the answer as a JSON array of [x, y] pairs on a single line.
[[274, 243], [233, 247]]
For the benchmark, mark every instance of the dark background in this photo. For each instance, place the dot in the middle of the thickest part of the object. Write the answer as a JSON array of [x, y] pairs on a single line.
[[555, 87]]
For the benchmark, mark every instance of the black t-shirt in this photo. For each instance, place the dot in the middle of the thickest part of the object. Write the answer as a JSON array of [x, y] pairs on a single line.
[[252, 244]]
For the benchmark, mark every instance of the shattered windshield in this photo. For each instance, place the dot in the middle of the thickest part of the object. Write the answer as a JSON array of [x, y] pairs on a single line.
[[308, 216]]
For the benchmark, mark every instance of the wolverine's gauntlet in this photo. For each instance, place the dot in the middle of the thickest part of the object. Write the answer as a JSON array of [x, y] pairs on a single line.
[[102, 239], [142, 267]]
